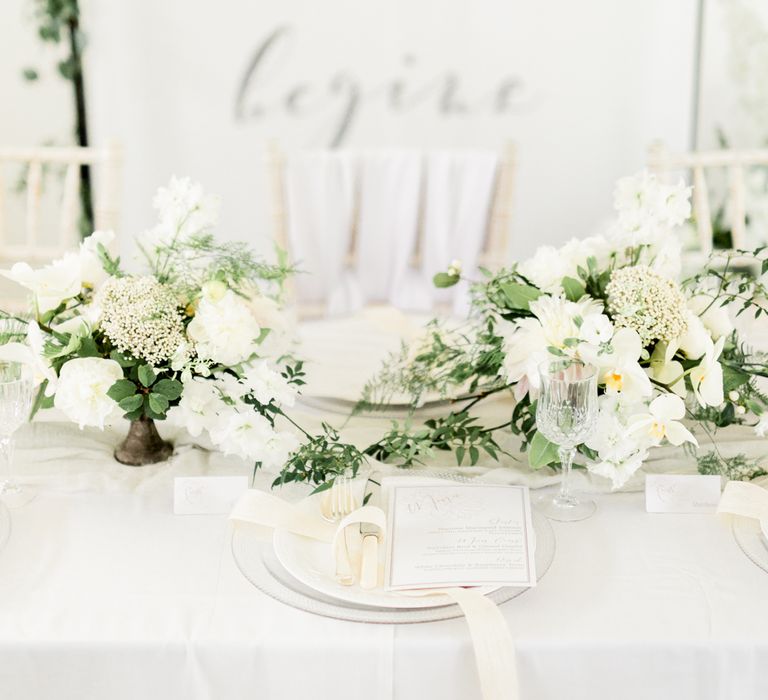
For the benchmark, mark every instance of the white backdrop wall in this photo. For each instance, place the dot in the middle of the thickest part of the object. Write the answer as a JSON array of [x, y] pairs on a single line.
[[198, 88], [734, 73]]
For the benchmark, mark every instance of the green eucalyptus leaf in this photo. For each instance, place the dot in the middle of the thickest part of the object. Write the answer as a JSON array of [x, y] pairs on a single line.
[[158, 403], [573, 289], [541, 451], [170, 388], [131, 403], [121, 389], [519, 296], [147, 375], [443, 279]]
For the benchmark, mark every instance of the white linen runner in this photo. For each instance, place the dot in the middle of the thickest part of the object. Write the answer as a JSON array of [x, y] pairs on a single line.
[[491, 638]]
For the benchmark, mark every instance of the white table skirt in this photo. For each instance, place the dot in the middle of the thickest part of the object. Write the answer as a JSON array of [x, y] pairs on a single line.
[[105, 595]]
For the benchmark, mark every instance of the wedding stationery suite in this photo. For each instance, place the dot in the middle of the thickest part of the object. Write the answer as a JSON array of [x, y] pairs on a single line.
[[448, 535], [207, 495], [681, 493]]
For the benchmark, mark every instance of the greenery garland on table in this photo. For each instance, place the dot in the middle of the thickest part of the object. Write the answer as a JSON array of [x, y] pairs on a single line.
[[665, 351], [197, 338]]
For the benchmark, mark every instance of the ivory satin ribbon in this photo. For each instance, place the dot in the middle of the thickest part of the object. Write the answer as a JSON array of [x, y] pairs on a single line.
[[491, 639], [743, 498]]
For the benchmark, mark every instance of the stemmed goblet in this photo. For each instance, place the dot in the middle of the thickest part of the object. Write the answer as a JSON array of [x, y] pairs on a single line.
[[566, 414], [16, 396]]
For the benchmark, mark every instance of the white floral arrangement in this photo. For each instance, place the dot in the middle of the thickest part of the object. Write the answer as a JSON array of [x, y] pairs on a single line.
[[669, 359], [197, 337]]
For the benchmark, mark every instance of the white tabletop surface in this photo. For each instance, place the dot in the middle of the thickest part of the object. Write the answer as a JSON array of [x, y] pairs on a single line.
[[105, 594]]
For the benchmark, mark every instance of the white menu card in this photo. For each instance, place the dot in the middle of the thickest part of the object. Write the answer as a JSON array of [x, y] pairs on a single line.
[[444, 534]]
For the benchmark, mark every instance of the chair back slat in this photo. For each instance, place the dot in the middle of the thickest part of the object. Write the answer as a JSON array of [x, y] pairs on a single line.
[[68, 214], [701, 209], [34, 192], [735, 163], [737, 196]]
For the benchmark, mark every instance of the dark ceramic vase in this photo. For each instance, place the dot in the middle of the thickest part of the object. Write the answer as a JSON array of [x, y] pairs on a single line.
[[143, 445]]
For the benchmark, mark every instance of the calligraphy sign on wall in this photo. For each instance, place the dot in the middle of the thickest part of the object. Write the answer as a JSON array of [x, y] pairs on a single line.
[[197, 88]]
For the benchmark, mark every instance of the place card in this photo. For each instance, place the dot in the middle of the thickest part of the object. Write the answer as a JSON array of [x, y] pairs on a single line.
[[446, 535], [207, 495], [682, 493]]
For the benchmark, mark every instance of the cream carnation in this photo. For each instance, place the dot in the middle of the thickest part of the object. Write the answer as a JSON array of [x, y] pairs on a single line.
[[141, 316], [643, 300]]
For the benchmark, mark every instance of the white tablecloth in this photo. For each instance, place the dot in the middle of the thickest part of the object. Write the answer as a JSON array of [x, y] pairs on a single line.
[[105, 595]]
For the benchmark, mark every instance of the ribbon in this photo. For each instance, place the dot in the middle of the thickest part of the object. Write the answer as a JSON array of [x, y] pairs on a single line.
[[742, 498], [491, 639]]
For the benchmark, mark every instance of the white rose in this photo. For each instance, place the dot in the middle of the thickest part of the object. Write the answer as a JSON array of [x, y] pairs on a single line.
[[695, 341], [51, 284], [224, 331], [81, 393], [715, 319], [92, 272]]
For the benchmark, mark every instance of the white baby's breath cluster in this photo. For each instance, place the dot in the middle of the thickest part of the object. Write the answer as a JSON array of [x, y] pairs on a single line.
[[141, 316], [643, 300]]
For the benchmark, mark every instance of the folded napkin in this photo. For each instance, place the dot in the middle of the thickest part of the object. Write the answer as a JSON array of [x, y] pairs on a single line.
[[491, 638], [743, 498]]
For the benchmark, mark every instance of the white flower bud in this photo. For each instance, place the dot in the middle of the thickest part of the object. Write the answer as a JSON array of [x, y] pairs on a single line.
[[733, 396]]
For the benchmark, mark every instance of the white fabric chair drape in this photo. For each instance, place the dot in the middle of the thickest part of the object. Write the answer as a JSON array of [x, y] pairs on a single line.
[[374, 227]]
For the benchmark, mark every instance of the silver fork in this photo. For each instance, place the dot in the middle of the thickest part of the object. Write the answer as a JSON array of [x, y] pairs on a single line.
[[339, 503]]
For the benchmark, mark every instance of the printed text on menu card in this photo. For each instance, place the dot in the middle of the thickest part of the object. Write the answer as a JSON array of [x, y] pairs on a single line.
[[459, 535]]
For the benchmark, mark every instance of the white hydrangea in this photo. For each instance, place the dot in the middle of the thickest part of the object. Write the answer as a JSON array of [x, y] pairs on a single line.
[[267, 385]]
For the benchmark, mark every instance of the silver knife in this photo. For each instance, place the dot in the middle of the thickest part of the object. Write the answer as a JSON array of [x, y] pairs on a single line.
[[369, 563]]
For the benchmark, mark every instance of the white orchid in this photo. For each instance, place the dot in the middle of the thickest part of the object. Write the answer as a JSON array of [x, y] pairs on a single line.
[[666, 370], [714, 316], [82, 390], [662, 421], [695, 339], [620, 370], [707, 377]]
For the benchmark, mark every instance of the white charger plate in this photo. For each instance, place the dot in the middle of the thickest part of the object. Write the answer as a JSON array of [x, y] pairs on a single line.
[[312, 563], [257, 562]]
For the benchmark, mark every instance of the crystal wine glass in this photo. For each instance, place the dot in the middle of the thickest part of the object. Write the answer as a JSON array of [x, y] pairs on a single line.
[[16, 395], [566, 413]]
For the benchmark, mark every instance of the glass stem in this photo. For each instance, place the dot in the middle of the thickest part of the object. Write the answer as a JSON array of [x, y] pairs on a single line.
[[566, 460], [6, 451]]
